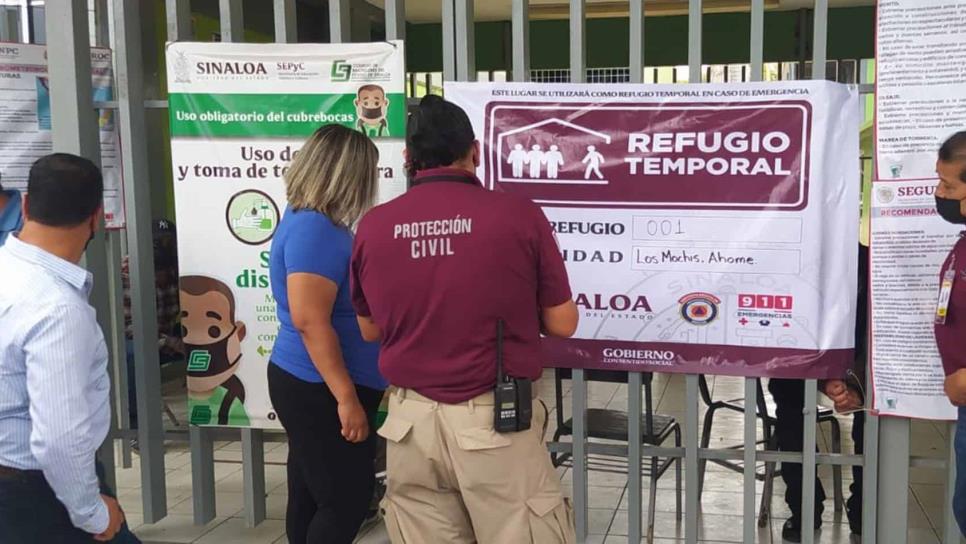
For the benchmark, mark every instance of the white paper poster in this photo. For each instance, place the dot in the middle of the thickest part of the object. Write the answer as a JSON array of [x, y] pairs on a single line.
[[920, 84], [909, 244], [25, 121], [239, 114], [706, 228]]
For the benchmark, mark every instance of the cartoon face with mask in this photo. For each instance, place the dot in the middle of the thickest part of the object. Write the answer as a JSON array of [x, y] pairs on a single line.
[[372, 106], [212, 340]]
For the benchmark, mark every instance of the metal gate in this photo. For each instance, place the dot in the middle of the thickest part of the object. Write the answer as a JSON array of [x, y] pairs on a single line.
[[887, 440]]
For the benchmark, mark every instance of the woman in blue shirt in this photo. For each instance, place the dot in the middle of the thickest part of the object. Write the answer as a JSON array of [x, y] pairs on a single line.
[[324, 381]]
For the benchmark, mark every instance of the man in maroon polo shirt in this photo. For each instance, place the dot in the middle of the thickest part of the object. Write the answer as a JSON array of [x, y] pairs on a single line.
[[432, 272], [951, 308]]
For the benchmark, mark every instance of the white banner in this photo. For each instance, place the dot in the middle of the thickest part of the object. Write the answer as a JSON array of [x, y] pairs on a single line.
[[706, 228], [920, 84], [909, 243], [920, 101], [25, 122], [239, 113]]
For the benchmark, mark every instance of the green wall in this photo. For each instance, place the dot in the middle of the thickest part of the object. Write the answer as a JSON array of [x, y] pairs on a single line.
[[725, 40]]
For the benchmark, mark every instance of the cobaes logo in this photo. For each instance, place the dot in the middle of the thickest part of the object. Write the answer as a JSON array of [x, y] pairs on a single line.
[[341, 71], [699, 308]]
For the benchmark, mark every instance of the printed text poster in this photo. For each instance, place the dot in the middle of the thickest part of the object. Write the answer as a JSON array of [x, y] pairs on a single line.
[[706, 228]]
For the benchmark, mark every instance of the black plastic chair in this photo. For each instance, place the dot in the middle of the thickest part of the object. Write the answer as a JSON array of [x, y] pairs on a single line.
[[603, 424], [825, 415]]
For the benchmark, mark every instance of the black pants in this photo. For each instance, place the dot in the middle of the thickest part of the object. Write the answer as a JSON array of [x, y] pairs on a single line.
[[30, 513], [789, 397], [330, 481]]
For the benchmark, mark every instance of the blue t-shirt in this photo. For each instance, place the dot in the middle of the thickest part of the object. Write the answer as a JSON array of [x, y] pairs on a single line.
[[11, 219], [307, 241]]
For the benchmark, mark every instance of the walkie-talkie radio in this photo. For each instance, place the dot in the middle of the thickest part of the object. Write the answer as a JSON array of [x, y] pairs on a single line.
[[513, 397]]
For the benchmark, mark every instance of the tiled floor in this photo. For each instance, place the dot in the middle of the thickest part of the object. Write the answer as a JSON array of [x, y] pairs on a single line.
[[721, 505]]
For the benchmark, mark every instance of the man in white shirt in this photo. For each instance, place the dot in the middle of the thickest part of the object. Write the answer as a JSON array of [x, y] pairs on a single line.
[[54, 386]]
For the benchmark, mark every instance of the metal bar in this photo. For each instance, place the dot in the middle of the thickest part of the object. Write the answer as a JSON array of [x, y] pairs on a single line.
[[202, 472], [634, 440], [637, 41], [137, 199], [808, 461], [120, 415], [253, 470], [340, 21], [757, 39], [520, 29], [893, 491], [694, 41], [102, 26], [286, 25], [232, 20], [395, 19], [691, 503], [178, 13], [579, 403], [870, 471], [465, 41], [820, 39], [951, 532], [578, 38], [751, 438], [156, 104], [75, 130], [449, 41], [935, 463]]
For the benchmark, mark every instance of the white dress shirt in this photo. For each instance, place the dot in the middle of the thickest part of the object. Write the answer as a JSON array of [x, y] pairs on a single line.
[[54, 387]]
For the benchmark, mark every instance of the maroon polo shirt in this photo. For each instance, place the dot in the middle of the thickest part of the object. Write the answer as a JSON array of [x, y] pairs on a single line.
[[438, 266], [951, 336]]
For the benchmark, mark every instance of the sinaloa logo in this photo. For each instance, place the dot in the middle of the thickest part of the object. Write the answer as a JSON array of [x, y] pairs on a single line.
[[341, 71], [617, 303]]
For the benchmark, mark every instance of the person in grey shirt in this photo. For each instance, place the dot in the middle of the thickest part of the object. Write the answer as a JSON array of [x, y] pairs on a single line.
[[54, 385]]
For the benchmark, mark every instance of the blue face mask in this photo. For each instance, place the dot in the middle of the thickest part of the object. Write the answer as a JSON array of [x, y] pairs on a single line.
[[949, 210]]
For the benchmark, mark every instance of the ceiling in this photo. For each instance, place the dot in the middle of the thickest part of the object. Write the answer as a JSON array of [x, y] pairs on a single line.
[[424, 11]]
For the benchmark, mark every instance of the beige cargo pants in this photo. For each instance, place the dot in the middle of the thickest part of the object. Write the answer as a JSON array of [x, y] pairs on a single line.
[[453, 479]]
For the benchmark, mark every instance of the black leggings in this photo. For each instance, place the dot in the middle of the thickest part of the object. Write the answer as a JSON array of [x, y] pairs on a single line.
[[330, 481]]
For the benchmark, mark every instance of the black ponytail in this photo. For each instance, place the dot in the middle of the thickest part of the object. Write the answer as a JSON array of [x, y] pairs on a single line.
[[438, 134]]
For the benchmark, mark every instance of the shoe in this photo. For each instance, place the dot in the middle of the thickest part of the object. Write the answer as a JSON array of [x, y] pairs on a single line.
[[792, 530]]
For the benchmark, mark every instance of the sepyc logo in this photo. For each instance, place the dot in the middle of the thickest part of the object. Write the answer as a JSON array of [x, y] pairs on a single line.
[[734, 156], [341, 71], [615, 306], [290, 67]]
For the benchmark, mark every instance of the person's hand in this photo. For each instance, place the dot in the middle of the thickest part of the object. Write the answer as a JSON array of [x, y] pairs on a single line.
[[355, 424], [955, 386], [845, 399], [116, 519]]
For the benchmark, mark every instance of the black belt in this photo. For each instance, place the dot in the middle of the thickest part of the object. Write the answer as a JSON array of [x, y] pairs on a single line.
[[7, 472]]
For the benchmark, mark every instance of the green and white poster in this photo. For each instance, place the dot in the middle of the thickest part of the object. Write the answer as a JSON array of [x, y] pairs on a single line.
[[239, 114]]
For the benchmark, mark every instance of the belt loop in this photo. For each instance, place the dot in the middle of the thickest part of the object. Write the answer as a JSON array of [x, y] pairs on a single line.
[[471, 405], [401, 394]]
